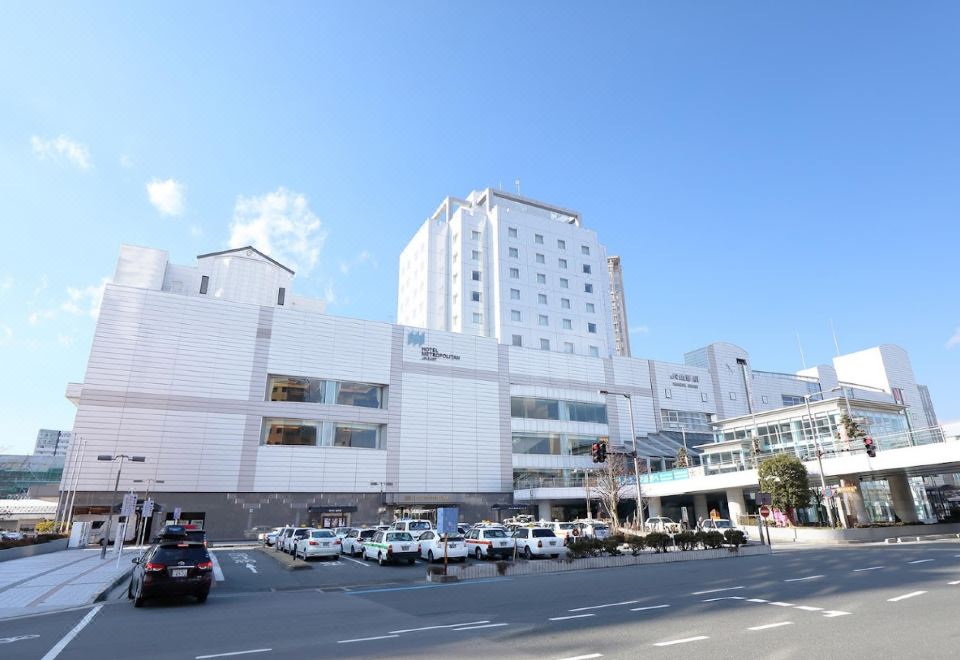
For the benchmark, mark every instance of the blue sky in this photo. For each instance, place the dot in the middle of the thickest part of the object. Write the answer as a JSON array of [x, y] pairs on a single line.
[[761, 168]]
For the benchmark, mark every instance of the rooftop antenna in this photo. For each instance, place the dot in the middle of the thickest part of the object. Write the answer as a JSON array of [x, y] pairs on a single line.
[[517, 182], [803, 359]]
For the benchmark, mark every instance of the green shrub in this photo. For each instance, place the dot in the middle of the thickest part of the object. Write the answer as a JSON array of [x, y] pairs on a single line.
[[583, 547], [659, 541], [611, 546], [637, 544], [686, 540], [46, 527], [735, 537], [712, 540]]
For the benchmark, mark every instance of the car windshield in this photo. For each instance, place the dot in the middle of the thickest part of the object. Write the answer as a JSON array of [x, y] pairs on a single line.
[[420, 524], [542, 533], [567, 525], [399, 536], [600, 527], [300, 533], [322, 534], [342, 530], [723, 524], [495, 534], [368, 533], [174, 554]]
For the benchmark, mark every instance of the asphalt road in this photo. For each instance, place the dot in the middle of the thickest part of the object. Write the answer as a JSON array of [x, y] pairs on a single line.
[[855, 602]]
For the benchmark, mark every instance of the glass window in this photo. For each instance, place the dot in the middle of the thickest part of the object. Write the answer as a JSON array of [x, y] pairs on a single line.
[[586, 268], [587, 287], [364, 436], [291, 388], [517, 340], [668, 393], [475, 296], [584, 249], [360, 394], [514, 253], [568, 347], [477, 318], [577, 411], [475, 235], [512, 232], [515, 273], [564, 283], [567, 324], [289, 432], [562, 263], [590, 308], [540, 258], [542, 298], [475, 255], [541, 278], [476, 275], [538, 239], [515, 315], [514, 294], [545, 344], [564, 303], [281, 296], [733, 396], [791, 400], [543, 320], [561, 244], [592, 328], [532, 408], [594, 351], [204, 283]]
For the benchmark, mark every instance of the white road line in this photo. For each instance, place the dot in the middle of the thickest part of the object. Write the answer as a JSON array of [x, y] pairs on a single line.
[[757, 600], [217, 571], [365, 639], [451, 625], [809, 577], [871, 568], [357, 561], [919, 561], [829, 614], [682, 641], [714, 591], [905, 596], [781, 604], [223, 655], [808, 608], [954, 582], [711, 600], [584, 657], [772, 625], [598, 607], [572, 616], [489, 625], [62, 644], [648, 607]]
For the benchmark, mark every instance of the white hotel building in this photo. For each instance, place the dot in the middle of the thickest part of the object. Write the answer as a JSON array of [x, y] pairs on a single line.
[[252, 406]]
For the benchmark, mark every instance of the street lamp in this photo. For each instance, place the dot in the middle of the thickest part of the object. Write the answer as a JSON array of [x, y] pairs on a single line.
[[636, 462], [116, 485], [816, 446]]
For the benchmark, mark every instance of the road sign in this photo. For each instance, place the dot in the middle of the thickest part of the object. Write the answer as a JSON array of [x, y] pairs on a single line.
[[129, 505], [764, 511], [447, 519], [148, 508], [176, 513], [764, 498]]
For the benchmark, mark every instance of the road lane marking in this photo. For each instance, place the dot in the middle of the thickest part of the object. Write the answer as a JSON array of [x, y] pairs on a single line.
[[905, 596], [809, 577], [572, 616], [598, 607], [17, 638], [648, 607], [427, 586], [711, 600], [682, 641], [584, 657], [714, 591], [871, 568], [919, 561], [62, 644], [954, 582], [223, 655], [449, 625], [365, 639], [757, 600], [808, 608], [772, 625], [489, 625], [830, 614], [357, 561], [782, 604], [217, 571]]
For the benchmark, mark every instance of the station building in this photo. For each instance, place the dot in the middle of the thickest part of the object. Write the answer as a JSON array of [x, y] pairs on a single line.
[[254, 407]]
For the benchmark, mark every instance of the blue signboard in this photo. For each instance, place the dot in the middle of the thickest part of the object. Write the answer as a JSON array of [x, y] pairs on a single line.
[[447, 518]]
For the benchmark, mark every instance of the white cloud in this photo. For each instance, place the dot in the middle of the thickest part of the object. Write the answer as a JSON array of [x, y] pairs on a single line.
[[281, 225], [166, 196], [6, 284], [329, 295], [65, 340], [196, 231], [363, 257], [954, 341], [640, 330], [61, 147], [6, 334], [82, 301]]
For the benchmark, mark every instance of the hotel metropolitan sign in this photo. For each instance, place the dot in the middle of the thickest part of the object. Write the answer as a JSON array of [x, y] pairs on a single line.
[[429, 353], [685, 380]]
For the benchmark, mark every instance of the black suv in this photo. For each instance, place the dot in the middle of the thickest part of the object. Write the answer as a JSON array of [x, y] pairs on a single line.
[[172, 568]]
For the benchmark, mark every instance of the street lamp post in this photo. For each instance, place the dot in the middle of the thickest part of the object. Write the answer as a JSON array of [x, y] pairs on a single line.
[[816, 447], [116, 485], [636, 461]]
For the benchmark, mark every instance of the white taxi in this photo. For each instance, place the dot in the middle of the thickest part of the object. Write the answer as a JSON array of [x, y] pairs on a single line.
[[352, 543], [390, 546], [317, 543], [414, 527], [537, 542], [431, 547], [489, 542]]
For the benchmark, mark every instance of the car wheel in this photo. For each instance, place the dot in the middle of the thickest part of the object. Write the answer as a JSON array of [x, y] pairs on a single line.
[[527, 554], [430, 556], [411, 561], [138, 599], [478, 554], [130, 591], [380, 559]]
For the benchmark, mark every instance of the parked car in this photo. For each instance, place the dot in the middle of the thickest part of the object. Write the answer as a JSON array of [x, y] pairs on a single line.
[[341, 532], [352, 543], [414, 527], [260, 532], [12, 536], [597, 530], [317, 543], [538, 542], [719, 525], [171, 568], [661, 524], [284, 531], [566, 531], [489, 542], [391, 546], [431, 547], [289, 540], [196, 536], [270, 538]]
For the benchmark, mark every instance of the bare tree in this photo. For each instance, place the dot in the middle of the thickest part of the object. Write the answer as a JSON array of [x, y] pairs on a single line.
[[610, 487]]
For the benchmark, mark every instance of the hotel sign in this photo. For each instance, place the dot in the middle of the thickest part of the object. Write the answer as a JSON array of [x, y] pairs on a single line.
[[429, 353], [685, 380]]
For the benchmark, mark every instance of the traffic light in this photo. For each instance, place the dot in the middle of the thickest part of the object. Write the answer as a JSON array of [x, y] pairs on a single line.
[[870, 447], [603, 452], [595, 452]]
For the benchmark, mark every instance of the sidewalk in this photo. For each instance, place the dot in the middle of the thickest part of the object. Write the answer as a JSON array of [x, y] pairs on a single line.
[[59, 580]]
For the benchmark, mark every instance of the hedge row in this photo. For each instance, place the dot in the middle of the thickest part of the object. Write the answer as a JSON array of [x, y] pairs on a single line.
[[656, 541]]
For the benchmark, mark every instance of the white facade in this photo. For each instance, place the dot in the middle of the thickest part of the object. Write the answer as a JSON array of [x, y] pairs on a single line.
[[503, 266], [618, 307]]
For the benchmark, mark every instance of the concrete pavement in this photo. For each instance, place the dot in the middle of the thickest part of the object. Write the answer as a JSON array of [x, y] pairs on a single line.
[[863, 602]]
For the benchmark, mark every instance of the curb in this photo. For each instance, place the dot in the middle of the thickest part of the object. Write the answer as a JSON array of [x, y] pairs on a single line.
[[287, 562], [102, 596]]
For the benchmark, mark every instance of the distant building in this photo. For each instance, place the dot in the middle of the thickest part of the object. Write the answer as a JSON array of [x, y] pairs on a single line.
[[618, 308], [52, 443], [18, 474]]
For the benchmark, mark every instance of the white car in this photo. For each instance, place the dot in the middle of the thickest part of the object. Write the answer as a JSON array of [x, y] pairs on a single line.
[[391, 546], [487, 542], [13, 536], [661, 524], [431, 547], [597, 530], [352, 543], [414, 527], [288, 541], [566, 531], [538, 542], [317, 543], [341, 532], [719, 525], [270, 538]]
